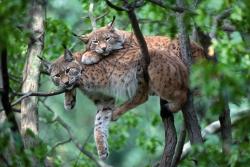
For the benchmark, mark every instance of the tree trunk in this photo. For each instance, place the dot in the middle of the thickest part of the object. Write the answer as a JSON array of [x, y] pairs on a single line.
[[31, 73], [189, 113]]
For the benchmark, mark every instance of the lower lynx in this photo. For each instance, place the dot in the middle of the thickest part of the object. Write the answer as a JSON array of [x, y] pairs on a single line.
[[121, 74]]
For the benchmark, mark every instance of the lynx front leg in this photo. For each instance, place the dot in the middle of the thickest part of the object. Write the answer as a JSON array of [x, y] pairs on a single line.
[[102, 120], [140, 97], [70, 99]]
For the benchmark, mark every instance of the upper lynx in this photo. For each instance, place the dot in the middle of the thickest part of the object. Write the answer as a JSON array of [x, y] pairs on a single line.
[[105, 40]]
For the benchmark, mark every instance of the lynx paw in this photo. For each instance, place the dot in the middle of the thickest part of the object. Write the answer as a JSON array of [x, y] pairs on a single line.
[[69, 104], [90, 58]]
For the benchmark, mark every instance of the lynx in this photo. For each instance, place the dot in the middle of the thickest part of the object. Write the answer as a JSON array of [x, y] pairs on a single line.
[[121, 74], [105, 40]]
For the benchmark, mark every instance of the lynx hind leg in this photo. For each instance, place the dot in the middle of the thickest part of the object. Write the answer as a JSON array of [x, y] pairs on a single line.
[[102, 120], [70, 99], [179, 97], [90, 57]]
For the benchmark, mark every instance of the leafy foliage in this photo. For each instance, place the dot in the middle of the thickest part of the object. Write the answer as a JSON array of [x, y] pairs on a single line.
[[137, 138]]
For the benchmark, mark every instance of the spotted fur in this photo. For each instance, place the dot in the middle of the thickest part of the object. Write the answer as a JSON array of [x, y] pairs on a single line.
[[105, 40]]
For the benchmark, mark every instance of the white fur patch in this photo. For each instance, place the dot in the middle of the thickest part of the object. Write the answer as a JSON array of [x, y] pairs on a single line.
[[124, 86]]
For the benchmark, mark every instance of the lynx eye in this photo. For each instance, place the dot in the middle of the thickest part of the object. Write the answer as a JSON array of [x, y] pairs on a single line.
[[108, 38], [57, 75], [95, 42]]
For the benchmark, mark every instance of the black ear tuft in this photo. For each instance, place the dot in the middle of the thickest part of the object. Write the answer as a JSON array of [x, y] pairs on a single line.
[[111, 26], [46, 64], [68, 56]]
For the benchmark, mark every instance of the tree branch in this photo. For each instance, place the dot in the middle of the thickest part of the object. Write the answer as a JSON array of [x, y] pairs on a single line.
[[41, 94], [179, 146], [170, 135], [217, 20], [5, 98], [215, 127]]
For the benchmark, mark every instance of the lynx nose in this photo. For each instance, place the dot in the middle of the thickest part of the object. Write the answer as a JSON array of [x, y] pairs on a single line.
[[104, 48], [66, 83]]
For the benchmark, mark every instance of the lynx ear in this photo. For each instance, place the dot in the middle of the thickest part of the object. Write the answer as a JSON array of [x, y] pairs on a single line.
[[111, 26], [84, 38], [46, 64], [68, 56]]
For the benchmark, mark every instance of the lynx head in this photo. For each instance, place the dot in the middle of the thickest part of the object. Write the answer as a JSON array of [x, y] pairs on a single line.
[[65, 71], [104, 40]]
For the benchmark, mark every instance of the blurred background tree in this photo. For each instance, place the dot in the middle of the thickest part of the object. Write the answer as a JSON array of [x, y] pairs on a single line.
[[137, 139]]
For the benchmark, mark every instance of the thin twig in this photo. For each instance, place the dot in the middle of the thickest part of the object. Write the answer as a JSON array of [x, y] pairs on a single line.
[[80, 147], [90, 13], [60, 143], [25, 95], [217, 20], [101, 16]]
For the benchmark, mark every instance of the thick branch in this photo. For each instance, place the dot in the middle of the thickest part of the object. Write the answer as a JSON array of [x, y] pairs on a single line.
[[179, 146], [170, 135], [139, 36]]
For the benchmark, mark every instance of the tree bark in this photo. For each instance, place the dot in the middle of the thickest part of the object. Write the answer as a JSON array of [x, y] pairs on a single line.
[[31, 73], [226, 126], [170, 135], [189, 113]]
